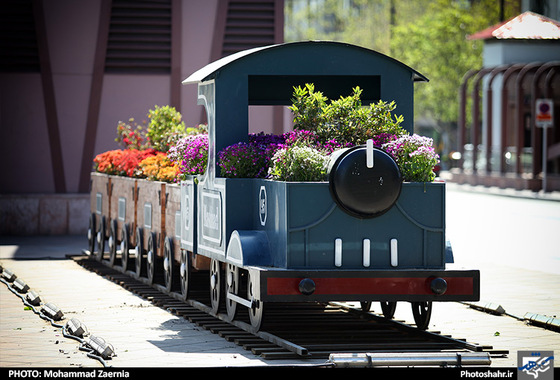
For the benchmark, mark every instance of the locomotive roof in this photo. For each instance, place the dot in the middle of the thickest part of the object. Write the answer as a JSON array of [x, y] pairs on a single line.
[[213, 69]]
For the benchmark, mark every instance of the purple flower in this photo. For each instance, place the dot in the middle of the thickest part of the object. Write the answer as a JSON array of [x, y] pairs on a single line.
[[248, 159], [415, 157], [190, 153]]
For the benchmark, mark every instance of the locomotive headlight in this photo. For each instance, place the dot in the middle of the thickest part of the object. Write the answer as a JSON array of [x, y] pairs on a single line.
[[364, 181]]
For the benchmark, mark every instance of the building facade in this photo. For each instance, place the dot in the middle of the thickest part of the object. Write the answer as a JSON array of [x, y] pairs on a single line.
[[502, 143], [71, 70]]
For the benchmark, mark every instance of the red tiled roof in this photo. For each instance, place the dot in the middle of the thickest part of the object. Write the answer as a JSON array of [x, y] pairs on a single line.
[[527, 25]]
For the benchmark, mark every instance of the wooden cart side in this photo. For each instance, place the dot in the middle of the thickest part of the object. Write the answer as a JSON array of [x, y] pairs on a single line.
[[100, 196], [124, 203], [173, 217], [150, 212]]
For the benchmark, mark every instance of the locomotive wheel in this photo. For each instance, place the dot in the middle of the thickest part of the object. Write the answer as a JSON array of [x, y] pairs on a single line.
[[257, 308], [215, 285], [388, 309], [169, 272], [113, 242], [231, 286], [125, 247], [152, 260], [91, 234], [185, 273], [422, 311], [139, 252], [101, 239], [365, 305]]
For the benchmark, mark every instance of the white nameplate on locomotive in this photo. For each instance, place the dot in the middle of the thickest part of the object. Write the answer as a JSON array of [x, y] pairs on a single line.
[[212, 216]]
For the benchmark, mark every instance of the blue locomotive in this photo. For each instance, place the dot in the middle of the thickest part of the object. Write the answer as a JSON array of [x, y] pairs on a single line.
[[362, 236]]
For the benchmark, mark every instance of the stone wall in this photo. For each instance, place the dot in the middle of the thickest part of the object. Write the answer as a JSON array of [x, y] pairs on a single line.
[[44, 214]]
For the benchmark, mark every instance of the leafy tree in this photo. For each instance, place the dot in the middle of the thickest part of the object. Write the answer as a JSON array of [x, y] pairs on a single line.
[[437, 45], [360, 22], [428, 35]]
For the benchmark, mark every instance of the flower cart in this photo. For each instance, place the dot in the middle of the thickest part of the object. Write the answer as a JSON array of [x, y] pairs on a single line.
[[343, 208], [359, 235]]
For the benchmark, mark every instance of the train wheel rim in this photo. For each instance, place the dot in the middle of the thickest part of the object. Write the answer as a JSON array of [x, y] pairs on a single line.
[[257, 309], [139, 252], [101, 240], [125, 247], [184, 273], [388, 309], [150, 260], [168, 265], [231, 286], [422, 312], [365, 305], [91, 234], [215, 285], [113, 243]]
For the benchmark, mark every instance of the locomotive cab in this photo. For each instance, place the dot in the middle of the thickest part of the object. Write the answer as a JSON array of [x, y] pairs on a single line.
[[363, 235]]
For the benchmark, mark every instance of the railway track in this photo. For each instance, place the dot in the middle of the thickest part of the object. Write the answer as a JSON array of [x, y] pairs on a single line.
[[307, 330]]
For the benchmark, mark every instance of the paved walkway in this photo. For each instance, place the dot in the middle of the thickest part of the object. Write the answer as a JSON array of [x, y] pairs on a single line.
[[144, 335]]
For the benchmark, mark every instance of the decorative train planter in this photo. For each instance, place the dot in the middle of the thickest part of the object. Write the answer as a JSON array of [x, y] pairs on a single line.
[[361, 235]]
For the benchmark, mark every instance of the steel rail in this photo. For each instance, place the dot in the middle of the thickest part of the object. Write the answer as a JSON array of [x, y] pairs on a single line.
[[298, 331]]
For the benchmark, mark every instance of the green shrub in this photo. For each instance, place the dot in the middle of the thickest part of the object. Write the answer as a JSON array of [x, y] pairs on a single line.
[[165, 127], [299, 163], [344, 120]]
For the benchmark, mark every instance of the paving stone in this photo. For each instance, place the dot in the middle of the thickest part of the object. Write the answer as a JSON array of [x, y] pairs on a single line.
[[144, 335]]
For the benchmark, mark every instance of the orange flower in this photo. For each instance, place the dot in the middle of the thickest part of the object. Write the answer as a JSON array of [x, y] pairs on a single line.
[[121, 162], [159, 168], [107, 162]]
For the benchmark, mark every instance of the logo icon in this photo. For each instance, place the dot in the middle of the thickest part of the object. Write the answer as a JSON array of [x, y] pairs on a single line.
[[535, 365], [262, 205]]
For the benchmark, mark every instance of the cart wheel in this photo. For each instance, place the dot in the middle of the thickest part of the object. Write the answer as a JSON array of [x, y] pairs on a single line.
[[215, 285], [125, 247], [231, 286], [422, 311], [365, 305], [113, 242], [257, 309], [139, 252], [185, 273], [388, 309], [152, 259], [101, 239], [169, 270], [91, 234]]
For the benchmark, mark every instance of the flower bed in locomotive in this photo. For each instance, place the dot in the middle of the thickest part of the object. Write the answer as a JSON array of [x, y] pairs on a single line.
[[342, 240]]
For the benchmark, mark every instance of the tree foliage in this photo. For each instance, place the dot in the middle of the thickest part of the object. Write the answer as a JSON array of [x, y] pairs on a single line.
[[428, 35]]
